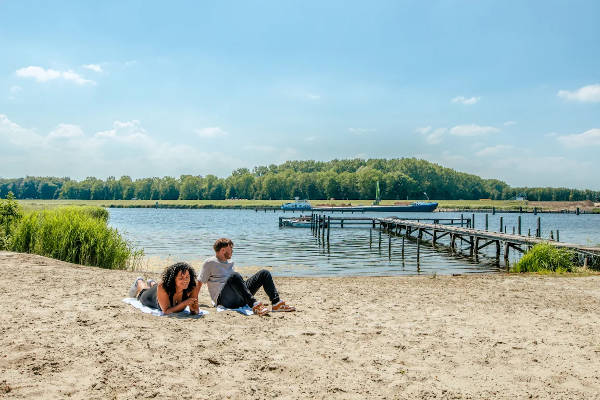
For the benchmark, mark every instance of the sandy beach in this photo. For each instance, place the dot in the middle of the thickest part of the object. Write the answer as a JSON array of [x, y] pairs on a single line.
[[66, 333]]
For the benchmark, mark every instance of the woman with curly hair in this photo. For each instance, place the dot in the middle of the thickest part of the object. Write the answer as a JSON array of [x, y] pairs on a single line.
[[176, 291]]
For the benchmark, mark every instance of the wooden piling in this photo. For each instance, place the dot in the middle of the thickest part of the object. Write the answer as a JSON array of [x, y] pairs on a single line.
[[472, 221], [402, 247], [557, 236], [486, 222], [380, 238], [370, 238], [539, 227], [501, 224], [390, 247], [519, 224], [328, 228]]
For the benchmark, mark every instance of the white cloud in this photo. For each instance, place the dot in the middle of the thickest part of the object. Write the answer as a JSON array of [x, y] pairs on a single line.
[[493, 150], [510, 123], [466, 100], [432, 136], [313, 96], [44, 75], [93, 67], [585, 94], [126, 149], [15, 89], [211, 132], [472, 130], [587, 138], [66, 131], [436, 136]]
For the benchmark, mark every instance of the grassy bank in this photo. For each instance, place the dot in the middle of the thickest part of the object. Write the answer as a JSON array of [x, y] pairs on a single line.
[[500, 205], [79, 235]]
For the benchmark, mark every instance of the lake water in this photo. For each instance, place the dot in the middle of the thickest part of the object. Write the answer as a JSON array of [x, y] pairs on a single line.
[[169, 235]]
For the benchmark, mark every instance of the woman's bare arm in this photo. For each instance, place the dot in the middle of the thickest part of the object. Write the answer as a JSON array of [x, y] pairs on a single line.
[[165, 304]]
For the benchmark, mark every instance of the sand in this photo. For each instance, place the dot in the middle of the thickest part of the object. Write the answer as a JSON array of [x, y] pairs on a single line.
[[66, 333]]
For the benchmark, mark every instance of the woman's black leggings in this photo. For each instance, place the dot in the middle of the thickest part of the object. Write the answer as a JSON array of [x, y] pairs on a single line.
[[237, 293]]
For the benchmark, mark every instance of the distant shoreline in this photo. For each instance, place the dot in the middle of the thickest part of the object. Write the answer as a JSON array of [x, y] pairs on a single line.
[[512, 206]]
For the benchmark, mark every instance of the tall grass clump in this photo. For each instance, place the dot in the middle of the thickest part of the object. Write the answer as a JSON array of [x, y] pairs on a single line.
[[74, 234], [545, 258], [10, 214]]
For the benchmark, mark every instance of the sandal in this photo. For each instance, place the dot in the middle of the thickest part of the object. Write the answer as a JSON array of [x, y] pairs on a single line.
[[260, 309], [282, 307]]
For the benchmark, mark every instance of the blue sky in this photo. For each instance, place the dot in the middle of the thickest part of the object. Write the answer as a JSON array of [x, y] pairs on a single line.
[[501, 89]]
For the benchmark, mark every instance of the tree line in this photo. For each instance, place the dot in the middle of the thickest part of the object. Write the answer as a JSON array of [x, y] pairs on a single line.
[[399, 179]]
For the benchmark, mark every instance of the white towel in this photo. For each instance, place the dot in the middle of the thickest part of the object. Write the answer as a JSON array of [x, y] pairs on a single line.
[[246, 310], [153, 311]]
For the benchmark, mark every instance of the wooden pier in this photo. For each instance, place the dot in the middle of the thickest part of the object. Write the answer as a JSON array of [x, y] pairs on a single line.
[[477, 239], [452, 230]]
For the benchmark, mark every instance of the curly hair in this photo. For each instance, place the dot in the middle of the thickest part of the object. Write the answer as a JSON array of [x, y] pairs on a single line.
[[169, 274]]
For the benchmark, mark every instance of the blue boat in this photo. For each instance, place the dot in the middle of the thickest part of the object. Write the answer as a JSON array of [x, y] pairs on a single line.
[[418, 206], [298, 205]]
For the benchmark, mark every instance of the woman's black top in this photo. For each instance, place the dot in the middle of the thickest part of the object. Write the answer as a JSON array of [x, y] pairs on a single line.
[[149, 298]]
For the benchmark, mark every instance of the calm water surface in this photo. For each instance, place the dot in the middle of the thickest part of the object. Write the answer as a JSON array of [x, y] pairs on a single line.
[[168, 235]]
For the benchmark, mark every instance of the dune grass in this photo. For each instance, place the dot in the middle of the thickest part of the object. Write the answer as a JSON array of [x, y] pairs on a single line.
[[78, 235], [545, 258]]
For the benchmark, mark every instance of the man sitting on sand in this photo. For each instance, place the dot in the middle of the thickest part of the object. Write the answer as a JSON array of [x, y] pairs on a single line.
[[227, 287]]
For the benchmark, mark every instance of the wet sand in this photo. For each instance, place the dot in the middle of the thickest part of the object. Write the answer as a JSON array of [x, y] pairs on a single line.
[[66, 333]]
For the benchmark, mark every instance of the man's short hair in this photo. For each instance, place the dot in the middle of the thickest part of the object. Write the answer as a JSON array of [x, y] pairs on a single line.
[[220, 243]]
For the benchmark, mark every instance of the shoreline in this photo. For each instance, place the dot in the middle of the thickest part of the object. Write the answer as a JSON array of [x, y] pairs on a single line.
[[396, 337], [478, 206]]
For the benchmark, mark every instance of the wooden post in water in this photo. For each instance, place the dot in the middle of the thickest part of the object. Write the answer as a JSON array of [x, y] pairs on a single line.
[[472, 221], [534, 210], [323, 232], [513, 229], [476, 249], [493, 210], [519, 224], [380, 238], [501, 224], [506, 247], [498, 249], [577, 212], [461, 220], [551, 235], [402, 247], [557, 236], [419, 246], [471, 244], [539, 227], [341, 223], [328, 228], [529, 232], [390, 247], [486, 222], [370, 238]]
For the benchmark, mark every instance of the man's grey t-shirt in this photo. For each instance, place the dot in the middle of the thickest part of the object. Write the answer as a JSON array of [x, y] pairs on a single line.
[[214, 274]]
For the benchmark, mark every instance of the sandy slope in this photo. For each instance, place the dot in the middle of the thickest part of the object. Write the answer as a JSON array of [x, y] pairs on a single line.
[[65, 332]]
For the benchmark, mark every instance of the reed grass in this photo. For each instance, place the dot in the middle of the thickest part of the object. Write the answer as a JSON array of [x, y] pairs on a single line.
[[545, 258], [74, 234]]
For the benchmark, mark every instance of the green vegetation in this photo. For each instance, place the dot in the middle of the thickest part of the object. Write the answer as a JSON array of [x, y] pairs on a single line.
[[79, 235], [545, 258], [399, 179], [10, 214]]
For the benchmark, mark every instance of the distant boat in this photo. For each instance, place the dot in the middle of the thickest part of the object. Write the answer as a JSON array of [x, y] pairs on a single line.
[[419, 206], [302, 222], [298, 205]]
